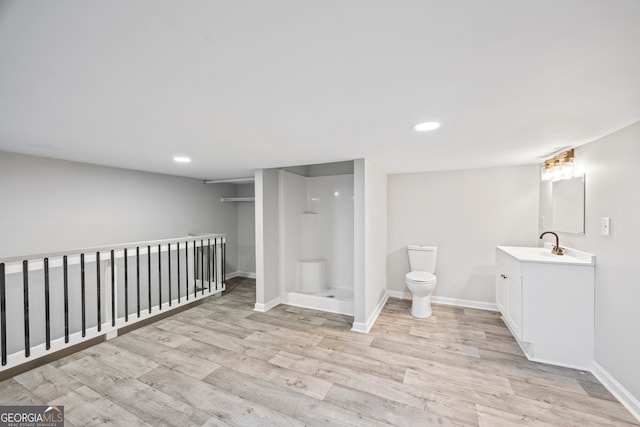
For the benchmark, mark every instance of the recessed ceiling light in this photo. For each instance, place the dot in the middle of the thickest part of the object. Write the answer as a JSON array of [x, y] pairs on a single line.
[[426, 126], [181, 159]]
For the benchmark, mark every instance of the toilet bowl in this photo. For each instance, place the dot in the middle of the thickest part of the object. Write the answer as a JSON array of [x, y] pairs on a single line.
[[421, 280], [421, 284]]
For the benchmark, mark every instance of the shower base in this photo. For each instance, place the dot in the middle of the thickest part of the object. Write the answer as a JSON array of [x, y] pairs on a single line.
[[333, 300]]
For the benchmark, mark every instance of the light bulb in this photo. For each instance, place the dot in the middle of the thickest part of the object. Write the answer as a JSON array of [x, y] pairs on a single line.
[[567, 170]]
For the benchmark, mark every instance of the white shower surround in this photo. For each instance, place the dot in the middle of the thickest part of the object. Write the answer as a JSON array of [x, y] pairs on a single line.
[[331, 197]]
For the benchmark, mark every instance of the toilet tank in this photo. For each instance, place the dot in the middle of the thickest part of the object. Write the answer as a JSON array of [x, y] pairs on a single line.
[[422, 258]]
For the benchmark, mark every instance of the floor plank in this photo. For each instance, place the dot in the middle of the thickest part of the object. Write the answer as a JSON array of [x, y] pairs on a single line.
[[47, 382], [491, 417], [299, 406], [85, 407], [14, 393], [216, 402], [385, 410]]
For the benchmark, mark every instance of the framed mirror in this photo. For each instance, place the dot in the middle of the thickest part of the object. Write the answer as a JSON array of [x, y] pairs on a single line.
[[567, 205]]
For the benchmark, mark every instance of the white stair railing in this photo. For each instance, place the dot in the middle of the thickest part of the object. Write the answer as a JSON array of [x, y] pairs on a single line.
[[52, 301]]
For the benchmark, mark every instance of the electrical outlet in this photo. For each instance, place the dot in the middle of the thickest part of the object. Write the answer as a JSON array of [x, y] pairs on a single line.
[[605, 226]]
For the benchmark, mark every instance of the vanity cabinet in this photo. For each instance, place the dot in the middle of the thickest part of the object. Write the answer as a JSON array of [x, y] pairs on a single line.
[[547, 302], [509, 298]]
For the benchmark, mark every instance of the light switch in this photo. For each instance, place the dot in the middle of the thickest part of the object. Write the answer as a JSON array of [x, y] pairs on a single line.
[[605, 226]]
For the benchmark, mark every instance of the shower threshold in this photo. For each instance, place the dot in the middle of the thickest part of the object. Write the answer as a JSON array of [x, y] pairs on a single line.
[[333, 300]]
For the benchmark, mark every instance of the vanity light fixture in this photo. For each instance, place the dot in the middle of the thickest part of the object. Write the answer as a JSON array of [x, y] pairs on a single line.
[[426, 126], [559, 167]]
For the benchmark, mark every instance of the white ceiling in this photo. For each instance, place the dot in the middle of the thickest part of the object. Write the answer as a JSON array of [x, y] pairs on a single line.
[[241, 85]]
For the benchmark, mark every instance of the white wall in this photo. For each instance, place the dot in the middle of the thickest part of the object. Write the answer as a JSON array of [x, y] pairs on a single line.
[[246, 230], [293, 201], [370, 243], [52, 205], [466, 214], [322, 169], [612, 181], [359, 265], [336, 217], [375, 224], [267, 239]]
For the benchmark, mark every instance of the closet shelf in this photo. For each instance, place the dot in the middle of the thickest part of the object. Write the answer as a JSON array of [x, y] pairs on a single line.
[[238, 199]]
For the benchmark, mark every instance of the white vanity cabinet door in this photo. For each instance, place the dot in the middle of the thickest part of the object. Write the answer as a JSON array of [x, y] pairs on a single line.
[[501, 289], [509, 298], [514, 304]]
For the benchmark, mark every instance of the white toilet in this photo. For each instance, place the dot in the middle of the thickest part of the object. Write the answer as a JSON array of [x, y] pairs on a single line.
[[421, 281]]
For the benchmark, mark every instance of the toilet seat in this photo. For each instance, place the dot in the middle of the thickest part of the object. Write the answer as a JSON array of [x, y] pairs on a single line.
[[421, 277]]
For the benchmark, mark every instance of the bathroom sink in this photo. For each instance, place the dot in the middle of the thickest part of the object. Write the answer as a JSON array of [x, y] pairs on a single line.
[[534, 254]]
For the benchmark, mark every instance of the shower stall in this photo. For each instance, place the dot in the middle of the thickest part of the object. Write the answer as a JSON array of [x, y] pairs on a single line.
[[316, 237]]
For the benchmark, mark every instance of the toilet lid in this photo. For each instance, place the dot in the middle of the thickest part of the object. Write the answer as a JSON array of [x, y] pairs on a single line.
[[421, 276]]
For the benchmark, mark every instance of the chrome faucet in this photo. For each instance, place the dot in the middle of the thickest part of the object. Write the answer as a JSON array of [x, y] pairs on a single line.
[[557, 250]]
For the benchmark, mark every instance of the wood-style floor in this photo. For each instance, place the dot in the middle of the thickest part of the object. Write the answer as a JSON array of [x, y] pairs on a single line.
[[221, 363]]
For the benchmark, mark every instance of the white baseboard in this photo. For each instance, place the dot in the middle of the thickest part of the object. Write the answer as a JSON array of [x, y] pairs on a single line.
[[365, 327], [246, 274], [480, 305], [233, 274], [622, 394], [266, 307], [399, 294]]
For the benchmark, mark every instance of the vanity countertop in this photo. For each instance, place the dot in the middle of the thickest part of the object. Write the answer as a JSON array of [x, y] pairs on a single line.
[[544, 255]]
